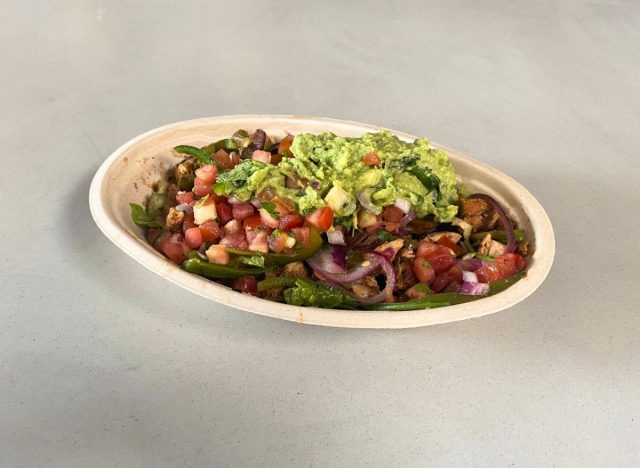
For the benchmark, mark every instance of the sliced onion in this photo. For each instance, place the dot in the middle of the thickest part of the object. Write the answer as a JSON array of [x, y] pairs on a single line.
[[336, 238], [504, 219], [365, 201], [185, 207], [474, 289], [257, 204], [470, 264], [403, 204], [357, 273], [259, 138], [410, 216], [329, 261], [233, 201], [387, 293], [469, 277]]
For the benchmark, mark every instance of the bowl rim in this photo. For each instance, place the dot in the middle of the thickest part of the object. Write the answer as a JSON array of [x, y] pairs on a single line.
[[132, 246]]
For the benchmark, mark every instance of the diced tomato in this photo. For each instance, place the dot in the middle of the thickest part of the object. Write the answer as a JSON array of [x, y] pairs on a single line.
[[235, 240], [503, 267], [210, 231], [261, 156], [275, 159], [257, 239], [444, 278], [252, 222], [201, 189], [447, 242], [268, 220], [423, 270], [218, 254], [188, 222], [184, 197], [285, 144], [290, 221], [193, 237], [242, 210], [322, 218], [175, 248], [392, 214], [207, 174], [392, 227], [302, 235], [278, 241], [225, 213], [438, 256], [283, 205], [371, 159], [232, 227], [246, 285]]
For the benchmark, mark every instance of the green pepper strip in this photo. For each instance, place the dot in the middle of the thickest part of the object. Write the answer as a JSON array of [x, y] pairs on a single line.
[[213, 270], [445, 299], [315, 242], [500, 236], [200, 155], [277, 282]]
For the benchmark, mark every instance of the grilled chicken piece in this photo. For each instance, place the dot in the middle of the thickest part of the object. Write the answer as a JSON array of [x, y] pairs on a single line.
[[367, 287], [478, 213], [421, 226], [436, 236], [273, 294], [295, 269], [174, 220], [394, 245], [523, 248], [490, 247], [403, 267]]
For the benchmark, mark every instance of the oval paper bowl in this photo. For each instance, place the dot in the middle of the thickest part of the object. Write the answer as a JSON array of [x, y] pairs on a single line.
[[128, 174]]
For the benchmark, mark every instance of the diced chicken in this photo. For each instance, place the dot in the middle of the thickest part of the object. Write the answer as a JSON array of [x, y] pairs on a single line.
[[295, 269], [218, 254], [403, 267], [436, 236], [366, 287], [273, 294], [478, 213], [391, 246], [422, 226], [490, 247], [523, 248], [204, 211], [184, 169], [174, 220]]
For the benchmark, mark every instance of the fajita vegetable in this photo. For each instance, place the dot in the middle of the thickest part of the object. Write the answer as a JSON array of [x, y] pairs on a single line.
[[372, 223]]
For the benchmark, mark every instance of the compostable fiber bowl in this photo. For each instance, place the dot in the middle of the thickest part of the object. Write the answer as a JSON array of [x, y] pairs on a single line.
[[128, 174]]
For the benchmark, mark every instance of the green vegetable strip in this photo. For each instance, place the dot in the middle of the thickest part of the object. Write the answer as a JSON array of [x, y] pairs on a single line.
[[500, 236], [213, 270], [445, 299], [202, 156], [277, 282]]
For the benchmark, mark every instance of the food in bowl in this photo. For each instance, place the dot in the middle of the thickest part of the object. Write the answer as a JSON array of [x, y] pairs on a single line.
[[371, 223]]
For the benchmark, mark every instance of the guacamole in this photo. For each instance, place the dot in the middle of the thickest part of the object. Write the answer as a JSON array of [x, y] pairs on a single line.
[[327, 169]]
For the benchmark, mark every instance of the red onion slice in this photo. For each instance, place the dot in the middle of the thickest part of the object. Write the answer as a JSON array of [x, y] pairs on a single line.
[[504, 219], [336, 238], [357, 273], [410, 216], [387, 294], [474, 289], [329, 261]]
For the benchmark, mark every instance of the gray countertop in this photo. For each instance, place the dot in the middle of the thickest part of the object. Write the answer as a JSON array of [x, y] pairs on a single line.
[[103, 363]]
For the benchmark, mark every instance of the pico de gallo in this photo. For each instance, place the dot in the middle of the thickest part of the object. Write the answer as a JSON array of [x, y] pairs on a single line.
[[371, 223]]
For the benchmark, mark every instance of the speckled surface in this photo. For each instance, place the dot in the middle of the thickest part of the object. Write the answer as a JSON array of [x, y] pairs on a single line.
[[104, 364]]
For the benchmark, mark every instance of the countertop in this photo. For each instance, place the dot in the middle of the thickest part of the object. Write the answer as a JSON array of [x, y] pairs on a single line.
[[103, 363]]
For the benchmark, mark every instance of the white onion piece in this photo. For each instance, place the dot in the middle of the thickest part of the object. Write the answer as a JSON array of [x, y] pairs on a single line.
[[403, 204]]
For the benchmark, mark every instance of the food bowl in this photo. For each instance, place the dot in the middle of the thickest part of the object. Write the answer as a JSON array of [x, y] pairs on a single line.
[[130, 172]]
